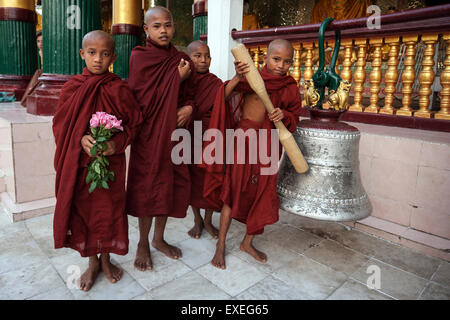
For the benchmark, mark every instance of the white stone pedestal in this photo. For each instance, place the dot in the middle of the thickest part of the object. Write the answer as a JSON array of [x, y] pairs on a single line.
[[27, 177]]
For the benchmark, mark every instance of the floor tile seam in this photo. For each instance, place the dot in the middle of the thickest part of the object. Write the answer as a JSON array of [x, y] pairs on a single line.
[[400, 269], [63, 286], [229, 295], [160, 285], [369, 256], [377, 290], [328, 267]]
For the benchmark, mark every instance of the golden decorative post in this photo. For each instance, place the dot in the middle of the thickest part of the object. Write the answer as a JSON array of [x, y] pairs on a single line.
[[264, 52], [308, 61], [23, 4], [256, 58], [391, 76], [408, 75], [444, 113], [126, 29], [360, 75], [375, 75], [426, 77], [127, 12], [296, 71], [346, 73]]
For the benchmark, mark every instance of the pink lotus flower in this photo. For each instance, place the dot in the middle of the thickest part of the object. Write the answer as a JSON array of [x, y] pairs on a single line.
[[103, 127], [94, 121], [102, 118], [105, 120], [117, 124]]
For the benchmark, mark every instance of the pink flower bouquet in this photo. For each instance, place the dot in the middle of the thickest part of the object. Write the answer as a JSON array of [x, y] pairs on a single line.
[[103, 126]]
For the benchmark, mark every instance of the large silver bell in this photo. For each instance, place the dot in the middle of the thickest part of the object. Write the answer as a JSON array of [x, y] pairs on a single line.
[[331, 189]]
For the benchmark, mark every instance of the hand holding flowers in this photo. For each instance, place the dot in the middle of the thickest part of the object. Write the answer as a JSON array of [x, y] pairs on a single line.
[[98, 145]]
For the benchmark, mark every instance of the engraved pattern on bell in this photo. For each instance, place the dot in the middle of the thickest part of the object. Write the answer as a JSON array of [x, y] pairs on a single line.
[[331, 189]]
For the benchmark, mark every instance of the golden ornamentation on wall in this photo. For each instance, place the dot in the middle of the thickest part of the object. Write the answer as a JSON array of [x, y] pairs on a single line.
[[426, 76], [391, 75], [360, 75], [408, 75], [444, 113]]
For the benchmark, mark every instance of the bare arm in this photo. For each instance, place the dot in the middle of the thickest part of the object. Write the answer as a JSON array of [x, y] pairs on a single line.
[[241, 69]]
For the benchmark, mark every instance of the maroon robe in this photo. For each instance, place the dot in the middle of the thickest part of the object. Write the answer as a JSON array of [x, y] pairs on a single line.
[[91, 223], [155, 185], [206, 87], [252, 197]]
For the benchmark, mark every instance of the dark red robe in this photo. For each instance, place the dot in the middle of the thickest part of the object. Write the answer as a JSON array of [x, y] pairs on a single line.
[[155, 185], [206, 87], [252, 197], [91, 223]]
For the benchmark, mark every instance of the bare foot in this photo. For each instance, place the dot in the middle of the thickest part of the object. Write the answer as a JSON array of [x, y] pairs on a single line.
[[218, 260], [87, 279], [167, 249], [250, 249], [143, 259], [212, 230], [196, 230], [112, 273]]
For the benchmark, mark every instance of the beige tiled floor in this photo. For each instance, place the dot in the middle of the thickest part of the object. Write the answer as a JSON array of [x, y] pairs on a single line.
[[307, 259]]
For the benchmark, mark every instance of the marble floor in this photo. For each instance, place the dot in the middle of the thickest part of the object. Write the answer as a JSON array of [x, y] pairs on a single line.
[[307, 259]]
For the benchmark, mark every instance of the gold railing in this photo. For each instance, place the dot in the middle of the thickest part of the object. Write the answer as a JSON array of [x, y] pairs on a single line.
[[392, 69], [354, 56]]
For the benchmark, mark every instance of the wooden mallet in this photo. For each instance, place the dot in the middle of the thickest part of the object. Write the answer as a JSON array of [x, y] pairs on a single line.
[[257, 84]]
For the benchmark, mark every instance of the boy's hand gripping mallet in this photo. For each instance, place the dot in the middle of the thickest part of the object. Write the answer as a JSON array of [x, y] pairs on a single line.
[[257, 84]]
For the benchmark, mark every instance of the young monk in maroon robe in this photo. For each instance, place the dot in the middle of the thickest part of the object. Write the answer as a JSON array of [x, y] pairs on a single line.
[[247, 195], [157, 187], [206, 86], [92, 223]]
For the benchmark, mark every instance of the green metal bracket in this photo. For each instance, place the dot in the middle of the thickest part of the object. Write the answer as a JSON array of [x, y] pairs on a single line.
[[327, 78]]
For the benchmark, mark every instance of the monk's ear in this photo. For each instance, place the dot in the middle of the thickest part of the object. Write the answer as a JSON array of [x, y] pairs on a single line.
[[145, 29], [114, 57], [82, 54]]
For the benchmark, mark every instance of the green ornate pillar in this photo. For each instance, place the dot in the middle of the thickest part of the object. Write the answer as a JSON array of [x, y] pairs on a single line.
[[18, 47], [64, 23], [200, 15], [126, 30]]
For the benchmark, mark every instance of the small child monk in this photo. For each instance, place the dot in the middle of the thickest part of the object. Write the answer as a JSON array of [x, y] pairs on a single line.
[[206, 86], [247, 195], [92, 223], [157, 187]]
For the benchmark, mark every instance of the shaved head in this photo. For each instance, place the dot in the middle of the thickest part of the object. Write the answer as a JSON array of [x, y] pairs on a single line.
[[96, 35], [280, 44], [154, 11], [194, 45]]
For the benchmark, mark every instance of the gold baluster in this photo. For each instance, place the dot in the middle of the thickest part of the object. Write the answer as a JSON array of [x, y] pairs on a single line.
[[296, 69], [375, 75], [346, 73], [308, 61], [391, 76], [360, 75], [444, 113], [408, 75], [256, 58], [264, 52], [426, 76]]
